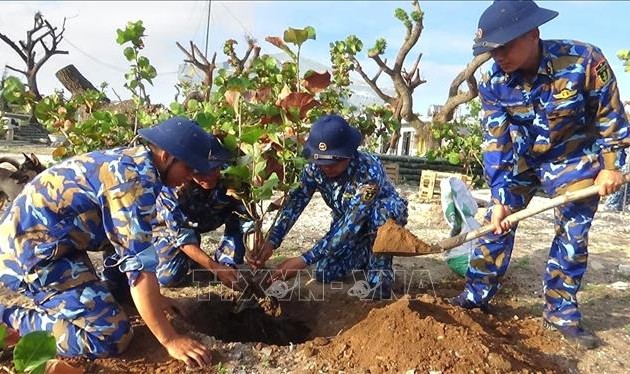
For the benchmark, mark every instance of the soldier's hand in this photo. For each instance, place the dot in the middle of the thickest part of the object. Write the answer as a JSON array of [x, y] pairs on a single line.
[[609, 181], [258, 259], [227, 275], [499, 212], [189, 350], [288, 268]]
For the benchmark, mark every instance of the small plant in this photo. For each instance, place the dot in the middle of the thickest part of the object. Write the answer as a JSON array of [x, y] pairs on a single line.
[[220, 368], [32, 351]]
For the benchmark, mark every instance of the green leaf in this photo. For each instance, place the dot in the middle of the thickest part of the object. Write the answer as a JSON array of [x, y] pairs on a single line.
[[252, 134], [33, 351], [299, 36], [230, 142], [453, 158], [311, 32], [178, 109], [205, 119], [130, 53], [240, 171], [192, 105], [260, 167], [3, 334]]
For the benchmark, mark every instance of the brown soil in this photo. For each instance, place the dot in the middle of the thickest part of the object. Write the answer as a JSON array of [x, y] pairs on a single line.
[[396, 240], [426, 335]]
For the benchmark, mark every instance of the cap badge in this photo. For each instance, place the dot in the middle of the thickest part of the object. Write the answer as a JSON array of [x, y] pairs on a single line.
[[479, 34], [322, 146]]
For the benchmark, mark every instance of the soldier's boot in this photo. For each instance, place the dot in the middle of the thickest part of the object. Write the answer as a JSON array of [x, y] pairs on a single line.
[[575, 335], [462, 302]]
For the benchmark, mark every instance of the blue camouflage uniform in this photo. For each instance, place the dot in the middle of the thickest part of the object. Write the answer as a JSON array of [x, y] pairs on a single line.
[[361, 199], [82, 204], [181, 220], [555, 134]]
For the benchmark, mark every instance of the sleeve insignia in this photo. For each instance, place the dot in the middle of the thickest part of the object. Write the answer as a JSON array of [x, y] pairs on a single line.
[[368, 193], [602, 70]]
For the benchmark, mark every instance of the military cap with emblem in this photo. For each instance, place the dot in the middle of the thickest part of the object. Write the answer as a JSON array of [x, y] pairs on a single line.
[[506, 20], [188, 142], [331, 140]]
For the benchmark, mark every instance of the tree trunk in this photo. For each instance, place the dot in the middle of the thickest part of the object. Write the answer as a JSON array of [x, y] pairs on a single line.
[[74, 81]]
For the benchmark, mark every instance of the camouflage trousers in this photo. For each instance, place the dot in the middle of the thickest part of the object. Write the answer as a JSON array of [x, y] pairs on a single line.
[[174, 265], [85, 320], [356, 255], [567, 258]]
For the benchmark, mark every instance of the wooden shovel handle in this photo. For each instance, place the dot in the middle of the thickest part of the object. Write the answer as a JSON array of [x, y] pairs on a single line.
[[568, 197]]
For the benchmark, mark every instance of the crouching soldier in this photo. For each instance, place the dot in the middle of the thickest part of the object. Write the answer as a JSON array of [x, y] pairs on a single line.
[[87, 203], [361, 196], [183, 214], [197, 208]]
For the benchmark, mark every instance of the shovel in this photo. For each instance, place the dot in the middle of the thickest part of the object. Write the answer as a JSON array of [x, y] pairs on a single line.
[[395, 240]]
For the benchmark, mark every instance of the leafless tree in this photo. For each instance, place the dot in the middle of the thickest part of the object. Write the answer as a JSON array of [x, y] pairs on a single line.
[[405, 81], [42, 36]]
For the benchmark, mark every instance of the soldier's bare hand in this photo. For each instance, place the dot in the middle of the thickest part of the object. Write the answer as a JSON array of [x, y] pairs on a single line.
[[288, 268], [499, 212], [189, 350], [261, 256], [609, 181]]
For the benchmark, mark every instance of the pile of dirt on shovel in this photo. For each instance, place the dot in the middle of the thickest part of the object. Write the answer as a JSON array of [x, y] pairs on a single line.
[[429, 335], [396, 240]]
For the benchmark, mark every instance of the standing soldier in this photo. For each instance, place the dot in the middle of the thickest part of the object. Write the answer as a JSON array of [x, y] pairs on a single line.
[[552, 121]]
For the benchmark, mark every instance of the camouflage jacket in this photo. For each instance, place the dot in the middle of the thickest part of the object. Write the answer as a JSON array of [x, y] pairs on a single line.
[[569, 110], [350, 196], [81, 204]]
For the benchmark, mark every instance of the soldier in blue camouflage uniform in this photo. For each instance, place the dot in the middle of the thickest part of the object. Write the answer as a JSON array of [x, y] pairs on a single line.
[[354, 185], [86, 203], [199, 207], [553, 121]]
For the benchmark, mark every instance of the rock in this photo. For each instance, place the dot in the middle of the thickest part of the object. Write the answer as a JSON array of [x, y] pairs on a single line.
[[624, 269], [621, 286]]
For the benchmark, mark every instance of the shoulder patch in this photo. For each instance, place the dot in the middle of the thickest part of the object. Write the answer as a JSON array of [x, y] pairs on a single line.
[[368, 192], [602, 70]]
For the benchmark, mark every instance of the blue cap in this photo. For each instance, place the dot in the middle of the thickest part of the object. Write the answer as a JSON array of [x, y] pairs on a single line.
[[331, 139], [189, 143], [506, 20]]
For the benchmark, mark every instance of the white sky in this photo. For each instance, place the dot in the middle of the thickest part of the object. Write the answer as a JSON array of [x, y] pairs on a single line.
[[446, 41]]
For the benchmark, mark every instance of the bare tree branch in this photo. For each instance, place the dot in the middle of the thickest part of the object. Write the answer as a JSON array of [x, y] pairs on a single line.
[[383, 65], [16, 70], [457, 97], [195, 57], [11, 44], [372, 83]]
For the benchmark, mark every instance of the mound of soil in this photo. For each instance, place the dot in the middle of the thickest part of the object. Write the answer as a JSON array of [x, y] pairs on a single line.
[[428, 335], [396, 240]]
